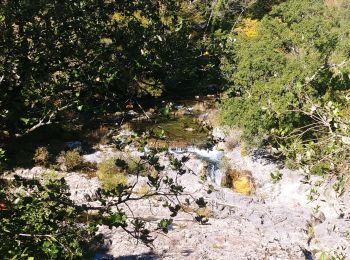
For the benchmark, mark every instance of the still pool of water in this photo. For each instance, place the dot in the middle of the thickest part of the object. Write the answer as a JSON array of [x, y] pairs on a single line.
[[181, 131]]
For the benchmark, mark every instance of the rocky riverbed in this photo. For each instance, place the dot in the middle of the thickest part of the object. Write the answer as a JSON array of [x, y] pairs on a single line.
[[276, 222]]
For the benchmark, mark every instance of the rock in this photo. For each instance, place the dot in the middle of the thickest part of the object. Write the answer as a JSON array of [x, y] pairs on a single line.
[[219, 133], [276, 222], [132, 113], [33, 173], [82, 189], [318, 218], [99, 156], [73, 145]]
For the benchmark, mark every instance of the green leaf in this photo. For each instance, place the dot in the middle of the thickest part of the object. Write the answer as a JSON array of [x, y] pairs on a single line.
[[118, 219], [164, 224], [25, 120], [179, 25]]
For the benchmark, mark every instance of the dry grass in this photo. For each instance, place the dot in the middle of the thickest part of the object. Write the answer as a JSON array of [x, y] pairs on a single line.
[[214, 118], [143, 190], [99, 135], [70, 160], [200, 107], [110, 175], [205, 212], [127, 126], [244, 150], [232, 140], [239, 181], [337, 3], [41, 156]]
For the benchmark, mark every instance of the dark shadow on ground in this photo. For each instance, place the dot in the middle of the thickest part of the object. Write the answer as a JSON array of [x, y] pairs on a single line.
[[102, 256]]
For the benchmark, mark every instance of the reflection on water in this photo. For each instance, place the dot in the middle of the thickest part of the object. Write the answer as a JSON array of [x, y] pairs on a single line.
[[180, 131]]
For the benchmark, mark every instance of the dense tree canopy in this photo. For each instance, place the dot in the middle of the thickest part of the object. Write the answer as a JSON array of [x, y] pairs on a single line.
[[93, 55], [288, 77]]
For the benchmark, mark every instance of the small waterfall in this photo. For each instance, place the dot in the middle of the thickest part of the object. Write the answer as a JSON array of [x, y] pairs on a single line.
[[214, 174], [207, 154], [213, 157]]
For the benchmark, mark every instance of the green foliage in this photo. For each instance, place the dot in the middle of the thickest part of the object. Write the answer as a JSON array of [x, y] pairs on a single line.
[[110, 175], [288, 85], [61, 58], [276, 176], [165, 224], [40, 221]]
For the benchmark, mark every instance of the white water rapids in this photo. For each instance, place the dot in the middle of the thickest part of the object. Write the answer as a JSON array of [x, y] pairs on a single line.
[[212, 156]]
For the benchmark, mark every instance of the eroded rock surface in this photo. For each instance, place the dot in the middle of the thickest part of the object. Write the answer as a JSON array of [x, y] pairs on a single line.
[[277, 222]]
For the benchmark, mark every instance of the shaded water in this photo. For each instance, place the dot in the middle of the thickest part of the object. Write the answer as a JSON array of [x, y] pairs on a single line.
[[181, 131], [185, 134]]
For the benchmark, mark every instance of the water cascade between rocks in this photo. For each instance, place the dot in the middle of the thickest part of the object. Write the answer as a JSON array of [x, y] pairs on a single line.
[[211, 156]]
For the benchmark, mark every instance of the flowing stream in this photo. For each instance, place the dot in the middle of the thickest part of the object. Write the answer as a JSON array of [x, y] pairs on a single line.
[[211, 156], [186, 134]]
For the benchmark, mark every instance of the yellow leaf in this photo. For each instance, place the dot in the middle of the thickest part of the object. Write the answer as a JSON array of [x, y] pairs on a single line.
[[248, 28]]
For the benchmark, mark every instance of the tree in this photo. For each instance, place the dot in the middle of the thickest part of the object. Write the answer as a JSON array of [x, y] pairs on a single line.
[[288, 83], [92, 56]]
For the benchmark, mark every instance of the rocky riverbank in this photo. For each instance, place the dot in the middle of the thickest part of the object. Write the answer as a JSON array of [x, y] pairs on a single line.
[[277, 221]]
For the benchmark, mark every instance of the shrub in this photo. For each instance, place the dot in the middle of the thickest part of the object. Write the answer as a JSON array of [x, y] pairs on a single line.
[[41, 156], [70, 160], [41, 223], [50, 175], [131, 165], [99, 135], [144, 190], [243, 185], [110, 175], [239, 181]]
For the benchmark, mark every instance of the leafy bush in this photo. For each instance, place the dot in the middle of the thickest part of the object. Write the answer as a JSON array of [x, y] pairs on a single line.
[[288, 84], [41, 156], [40, 222], [110, 175], [50, 175], [70, 160], [34, 96]]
